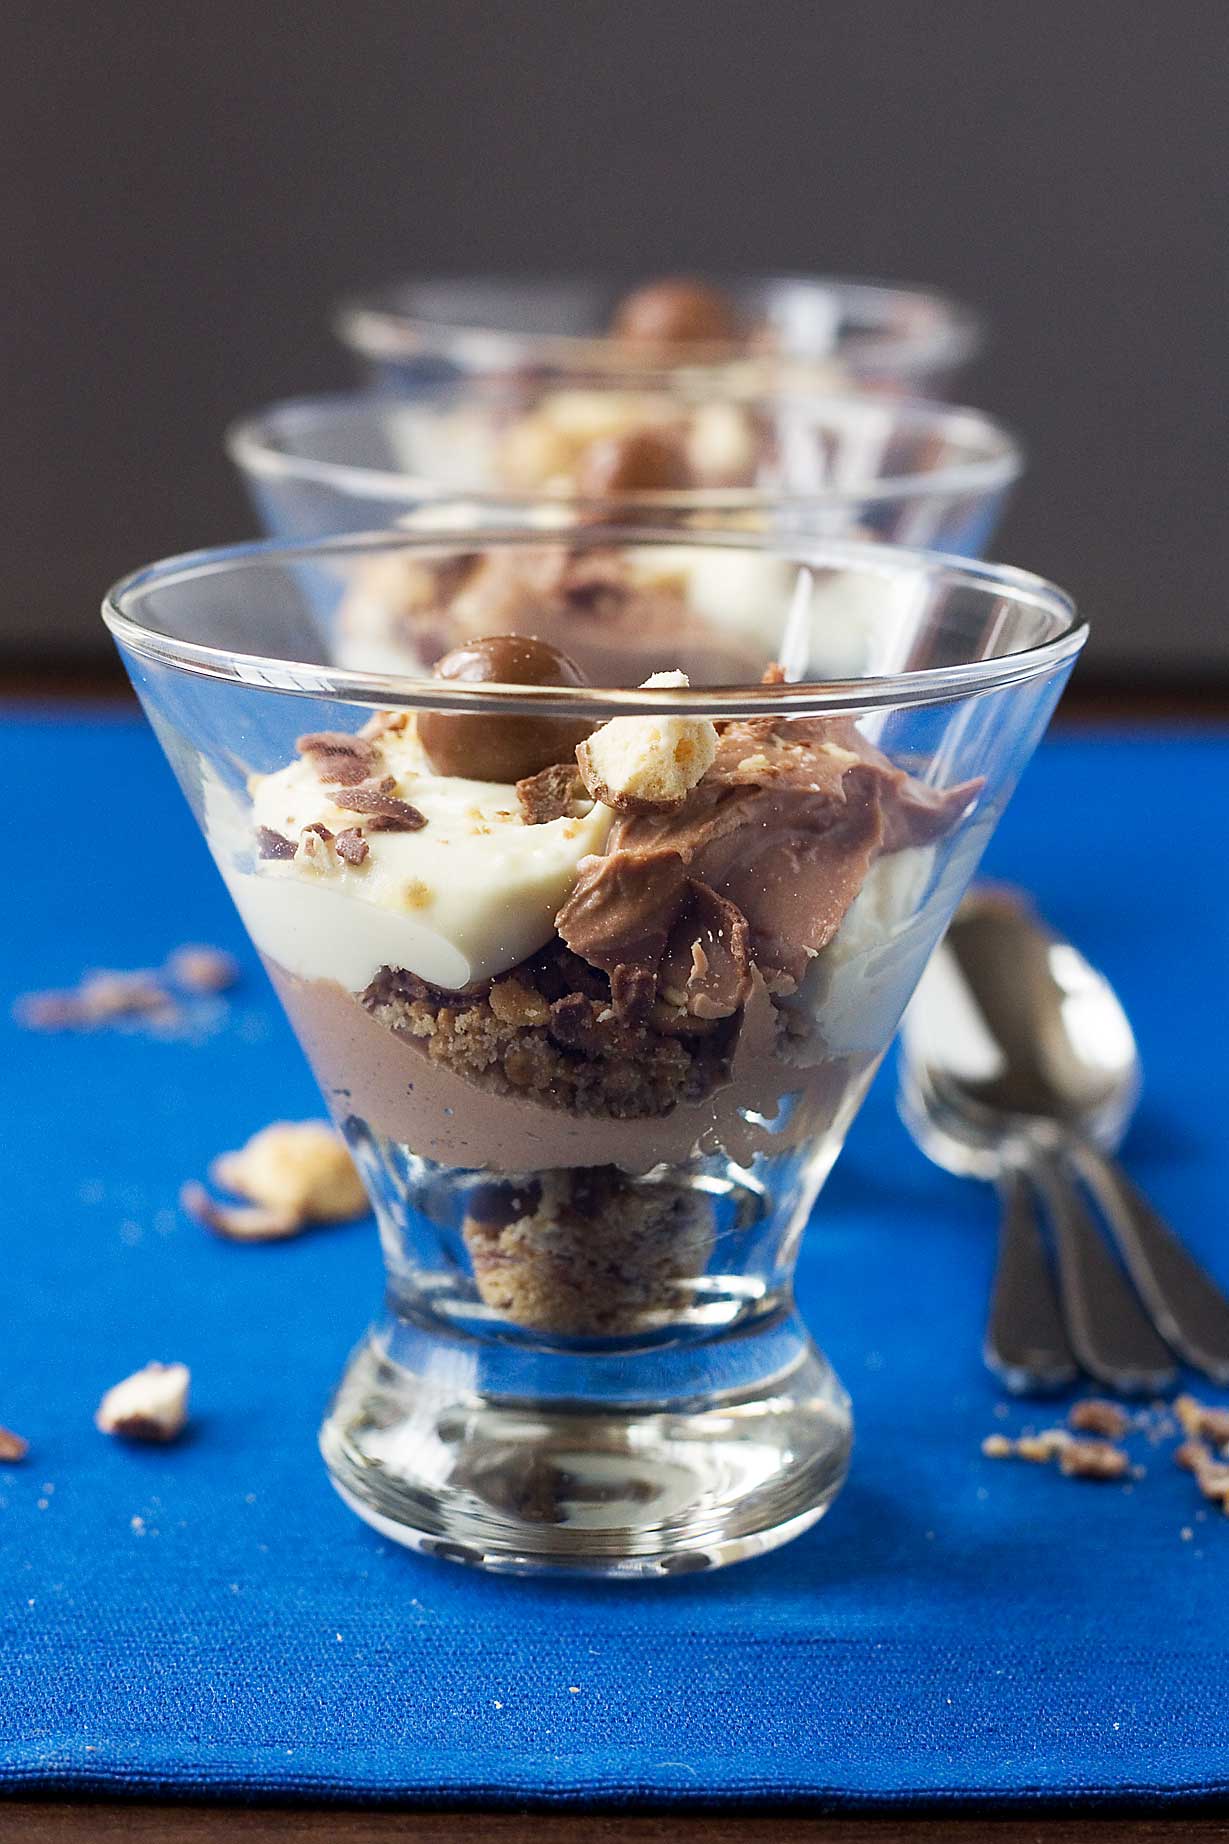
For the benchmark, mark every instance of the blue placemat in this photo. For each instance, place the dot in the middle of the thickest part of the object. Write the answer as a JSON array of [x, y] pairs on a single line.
[[210, 1620]]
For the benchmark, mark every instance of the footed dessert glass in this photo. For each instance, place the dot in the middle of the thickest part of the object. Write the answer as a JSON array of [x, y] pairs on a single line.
[[593, 979], [827, 332], [927, 475]]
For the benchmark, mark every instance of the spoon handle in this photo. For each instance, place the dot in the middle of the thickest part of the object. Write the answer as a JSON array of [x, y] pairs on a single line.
[[1025, 1342], [1109, 1333], [1189, 1310]]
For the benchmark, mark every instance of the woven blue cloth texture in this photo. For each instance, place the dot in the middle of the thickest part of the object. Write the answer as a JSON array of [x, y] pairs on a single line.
[[209, 1620]]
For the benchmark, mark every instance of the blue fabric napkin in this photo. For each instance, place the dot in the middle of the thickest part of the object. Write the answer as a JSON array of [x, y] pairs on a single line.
[[208, 1619]]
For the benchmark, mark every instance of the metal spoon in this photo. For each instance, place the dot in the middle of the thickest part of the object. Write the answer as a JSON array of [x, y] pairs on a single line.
[[1019, 1058]]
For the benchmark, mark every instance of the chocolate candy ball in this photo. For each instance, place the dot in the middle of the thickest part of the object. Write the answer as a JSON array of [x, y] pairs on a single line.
[[492, 747], [640, 461], [676, 312]]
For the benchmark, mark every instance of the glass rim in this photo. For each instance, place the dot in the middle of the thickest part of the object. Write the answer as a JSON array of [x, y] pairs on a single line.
[[381, 690], [251, 443], [370, 321]]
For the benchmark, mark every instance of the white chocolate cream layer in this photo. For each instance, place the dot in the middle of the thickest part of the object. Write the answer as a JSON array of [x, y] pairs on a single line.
[[466, 897]]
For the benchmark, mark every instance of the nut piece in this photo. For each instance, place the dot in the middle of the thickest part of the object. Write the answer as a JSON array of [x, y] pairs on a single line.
[[998, 1447], [1093, 1460], [150, 1405], [1041, 1448], [1095, 1416], [1201, 1421], [12, 1446], [296, 1169], [238, 1222], [201, 969], [647, 764]]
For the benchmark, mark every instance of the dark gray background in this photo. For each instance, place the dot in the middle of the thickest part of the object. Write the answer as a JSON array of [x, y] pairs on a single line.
[[189, 187]]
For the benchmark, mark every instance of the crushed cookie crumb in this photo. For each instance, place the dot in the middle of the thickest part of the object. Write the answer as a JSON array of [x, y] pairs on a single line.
[[998, 1447], [13, 1447], [351, 846]]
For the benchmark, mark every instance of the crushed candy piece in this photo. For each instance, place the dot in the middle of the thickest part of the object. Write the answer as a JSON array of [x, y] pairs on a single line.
[[647, 764], [197, 968], [292, 1173], [150, 1405]]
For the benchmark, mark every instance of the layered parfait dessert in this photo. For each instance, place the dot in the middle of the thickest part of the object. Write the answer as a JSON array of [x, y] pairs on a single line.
[[591, 979]]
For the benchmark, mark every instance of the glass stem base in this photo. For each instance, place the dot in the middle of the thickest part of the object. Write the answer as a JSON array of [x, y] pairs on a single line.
[[656, 1461]]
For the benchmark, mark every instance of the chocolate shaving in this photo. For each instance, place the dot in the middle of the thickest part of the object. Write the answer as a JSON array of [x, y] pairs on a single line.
[[338, 757], [351, 845], [707, 964], [270, 844], [386, 813], [321, 831], [549, 794]]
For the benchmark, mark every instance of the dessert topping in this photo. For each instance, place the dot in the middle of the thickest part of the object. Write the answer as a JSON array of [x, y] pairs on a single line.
[[271, 844], [637, 461], [675, 311], [338, 756], [648, 764], [491, 746], [550, 794], [12, 1447], [384, 811]]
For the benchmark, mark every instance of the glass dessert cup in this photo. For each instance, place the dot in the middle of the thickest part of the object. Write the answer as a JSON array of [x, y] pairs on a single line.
[[809, 332], [908, 472], [680, 460], [593, 982]]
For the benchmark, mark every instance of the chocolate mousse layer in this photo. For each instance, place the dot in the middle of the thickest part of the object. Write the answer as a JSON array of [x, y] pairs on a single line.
[[408, 1089], [589, 603]]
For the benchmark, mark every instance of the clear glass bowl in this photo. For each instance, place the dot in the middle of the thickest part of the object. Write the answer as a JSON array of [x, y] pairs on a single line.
[[594, 1057], [918, 474], [802, 331]]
